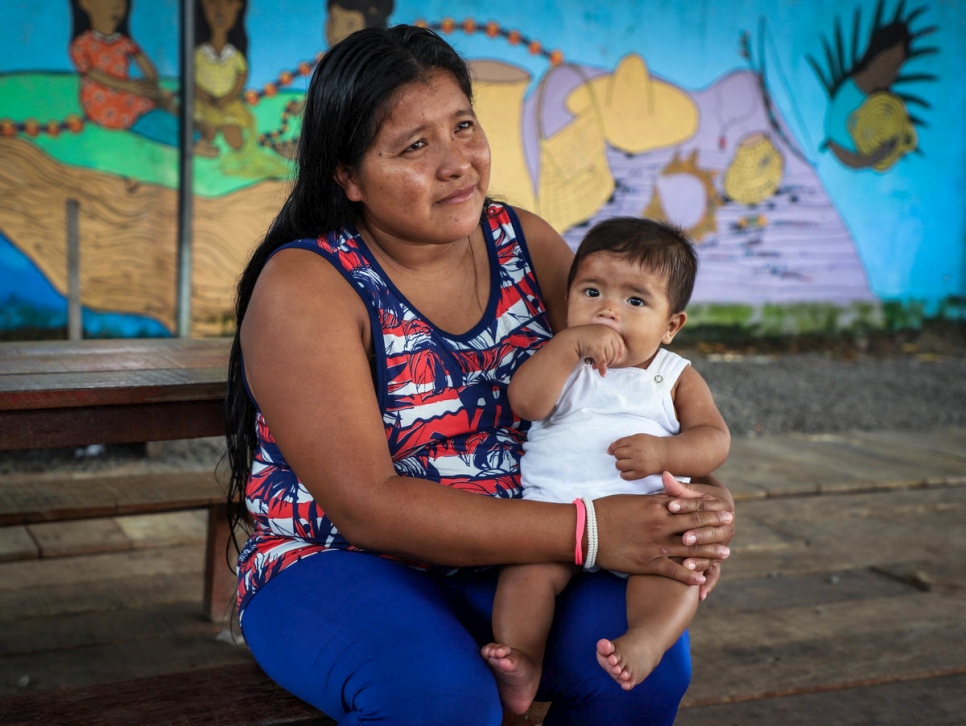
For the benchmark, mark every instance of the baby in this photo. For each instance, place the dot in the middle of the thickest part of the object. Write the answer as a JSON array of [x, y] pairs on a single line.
[[612, 413]]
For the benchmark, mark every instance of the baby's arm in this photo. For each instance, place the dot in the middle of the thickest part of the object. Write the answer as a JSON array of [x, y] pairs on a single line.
[[535, 387], [700, 448]]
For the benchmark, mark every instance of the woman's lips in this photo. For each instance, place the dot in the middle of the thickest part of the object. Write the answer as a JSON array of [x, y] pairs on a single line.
[[461, 195]]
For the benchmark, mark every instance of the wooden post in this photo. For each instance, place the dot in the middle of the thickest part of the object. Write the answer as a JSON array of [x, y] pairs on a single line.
[[75, 325], [221, 584], [186, 179]]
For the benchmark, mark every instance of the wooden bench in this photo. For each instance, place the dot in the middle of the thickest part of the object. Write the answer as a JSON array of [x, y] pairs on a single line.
[[57, 498], [240, 695], [61, 394]]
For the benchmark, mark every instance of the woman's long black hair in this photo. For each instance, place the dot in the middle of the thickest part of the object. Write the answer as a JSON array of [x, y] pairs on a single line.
[[349, 96]]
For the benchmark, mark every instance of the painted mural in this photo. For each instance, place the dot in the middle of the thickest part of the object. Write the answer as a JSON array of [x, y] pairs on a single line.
[[809, 153]]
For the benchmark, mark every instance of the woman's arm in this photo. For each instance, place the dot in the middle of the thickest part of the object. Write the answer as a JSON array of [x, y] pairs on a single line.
[[305, 339], [858, 161], [148, 70]]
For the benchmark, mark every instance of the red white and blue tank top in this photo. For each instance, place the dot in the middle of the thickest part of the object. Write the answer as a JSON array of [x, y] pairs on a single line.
[[443, 397]]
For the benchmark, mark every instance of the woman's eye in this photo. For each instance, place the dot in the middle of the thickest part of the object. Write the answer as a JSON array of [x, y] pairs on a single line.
[[635, 301], [463, 125], [416, 146]]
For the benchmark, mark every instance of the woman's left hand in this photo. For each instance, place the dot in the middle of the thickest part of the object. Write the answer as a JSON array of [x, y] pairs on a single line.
[[697, 497]]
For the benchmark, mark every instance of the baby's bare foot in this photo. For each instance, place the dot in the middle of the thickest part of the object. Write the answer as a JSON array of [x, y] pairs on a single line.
[[517, 675], [628, 659]]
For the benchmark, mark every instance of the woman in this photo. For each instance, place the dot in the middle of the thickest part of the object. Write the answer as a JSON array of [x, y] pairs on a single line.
[[368, 383], [221, 69]]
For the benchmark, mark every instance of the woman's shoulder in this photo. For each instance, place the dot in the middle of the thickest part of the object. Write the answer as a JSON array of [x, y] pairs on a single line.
[[551, 258], [298, 291]]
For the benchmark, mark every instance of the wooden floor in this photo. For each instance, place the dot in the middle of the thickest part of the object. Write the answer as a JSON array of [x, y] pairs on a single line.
[[843, 601]]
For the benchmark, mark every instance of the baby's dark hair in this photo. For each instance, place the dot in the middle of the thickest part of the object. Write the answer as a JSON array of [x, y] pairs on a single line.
[[661, 247]]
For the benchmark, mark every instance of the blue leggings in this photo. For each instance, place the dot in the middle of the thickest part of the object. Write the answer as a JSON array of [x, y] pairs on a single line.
[[367, 640]]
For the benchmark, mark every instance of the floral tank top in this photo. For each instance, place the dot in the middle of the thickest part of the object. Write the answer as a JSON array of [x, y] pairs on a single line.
[[443, 398]]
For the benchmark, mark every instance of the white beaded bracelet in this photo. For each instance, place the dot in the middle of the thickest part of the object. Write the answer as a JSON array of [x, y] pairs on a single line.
[[591, 559]]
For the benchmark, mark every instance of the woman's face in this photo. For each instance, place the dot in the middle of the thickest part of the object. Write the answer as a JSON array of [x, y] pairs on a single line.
[[885, 67], [105, 15], [221, 14], [424, 179]]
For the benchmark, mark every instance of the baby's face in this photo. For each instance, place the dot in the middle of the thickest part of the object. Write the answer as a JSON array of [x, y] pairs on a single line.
[[611, 290]]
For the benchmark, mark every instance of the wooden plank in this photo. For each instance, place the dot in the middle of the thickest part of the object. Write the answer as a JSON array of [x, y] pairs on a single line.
[[70, 390], [60, 427], [17, 544], [940, 464], [112, 662], [851, 530], [112, 355], [166, 529], [754, 471], [764, 594], [950, 440], [864, 586], [109, 495], [110, 567], [797, 464], [938, 701], [740, 656], [100, 627], [847, 460], [80, 537], [755, 535], [132, 593], [238, 694]]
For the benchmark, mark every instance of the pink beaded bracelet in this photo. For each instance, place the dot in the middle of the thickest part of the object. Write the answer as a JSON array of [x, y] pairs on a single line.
[[579, 536]]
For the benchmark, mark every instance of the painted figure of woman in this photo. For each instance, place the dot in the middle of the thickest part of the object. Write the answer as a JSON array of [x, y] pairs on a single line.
[[102, 50], [867, 123], [221, 70]]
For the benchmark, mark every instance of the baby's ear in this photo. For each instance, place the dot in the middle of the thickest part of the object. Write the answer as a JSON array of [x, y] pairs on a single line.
[[674, 325]]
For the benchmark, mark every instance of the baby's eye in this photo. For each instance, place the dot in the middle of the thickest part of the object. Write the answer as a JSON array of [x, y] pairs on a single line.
[[636, 302], [592, 292]]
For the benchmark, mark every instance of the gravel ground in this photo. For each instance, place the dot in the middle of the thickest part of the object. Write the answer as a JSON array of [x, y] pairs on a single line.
[[815, 393], [761, 388]]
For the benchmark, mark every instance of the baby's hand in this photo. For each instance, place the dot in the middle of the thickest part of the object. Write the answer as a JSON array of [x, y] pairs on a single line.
[[639, 455], [599, 344]]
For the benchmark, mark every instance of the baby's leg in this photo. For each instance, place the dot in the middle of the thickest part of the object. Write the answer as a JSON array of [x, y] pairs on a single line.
[[659, 610], [522, 615]]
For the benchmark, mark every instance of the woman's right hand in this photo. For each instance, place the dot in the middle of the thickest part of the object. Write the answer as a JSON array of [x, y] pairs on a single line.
[[641, 536]]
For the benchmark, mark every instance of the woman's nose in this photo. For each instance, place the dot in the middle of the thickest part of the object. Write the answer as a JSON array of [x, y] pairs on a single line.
[[453, 161]]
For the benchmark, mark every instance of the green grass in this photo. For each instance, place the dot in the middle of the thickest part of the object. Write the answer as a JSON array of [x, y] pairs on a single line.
[[44, 96]]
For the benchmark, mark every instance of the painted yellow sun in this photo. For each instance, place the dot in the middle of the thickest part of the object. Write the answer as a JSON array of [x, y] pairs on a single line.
[[684, 195]]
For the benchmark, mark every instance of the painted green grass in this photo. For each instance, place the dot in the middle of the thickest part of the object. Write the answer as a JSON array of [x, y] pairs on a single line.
[[47, 97], [736, 321]]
